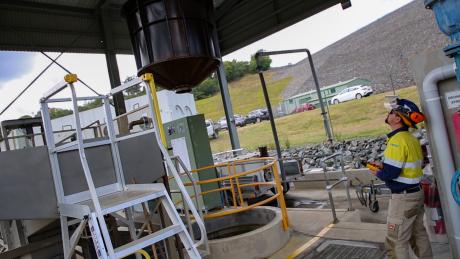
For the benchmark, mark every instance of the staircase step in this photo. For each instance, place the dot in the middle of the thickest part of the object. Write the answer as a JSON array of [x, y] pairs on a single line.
[[135, 194], [143, 242]]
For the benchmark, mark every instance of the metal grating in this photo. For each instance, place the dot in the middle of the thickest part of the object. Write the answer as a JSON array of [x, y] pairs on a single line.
[[346, 249]]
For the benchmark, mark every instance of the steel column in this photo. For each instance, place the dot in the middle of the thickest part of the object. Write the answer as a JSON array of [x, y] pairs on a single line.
[[272, 123], [225, 94], [111, 59]]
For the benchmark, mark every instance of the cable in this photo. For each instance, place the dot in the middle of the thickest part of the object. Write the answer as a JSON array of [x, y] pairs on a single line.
[[453, 187], [29, 85], [53, 62], [68, 71]]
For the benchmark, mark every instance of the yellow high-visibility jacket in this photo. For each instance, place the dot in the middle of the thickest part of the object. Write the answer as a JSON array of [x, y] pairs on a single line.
[[404, 151]]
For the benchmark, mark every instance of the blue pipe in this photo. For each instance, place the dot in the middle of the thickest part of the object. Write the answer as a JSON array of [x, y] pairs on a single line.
[[453, 187], [447, 14]]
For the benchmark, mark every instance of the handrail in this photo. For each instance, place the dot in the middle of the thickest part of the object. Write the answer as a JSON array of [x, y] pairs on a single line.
[[130, 112], [54, 90], [332, 186], [235, 187], [233, 151], [190, 177], [73, 134], [344, 179], [69, 81], [148, 78]]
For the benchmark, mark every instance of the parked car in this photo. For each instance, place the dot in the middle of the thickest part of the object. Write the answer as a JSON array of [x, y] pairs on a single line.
[[239, 121], [222, 123], [350, 93], [305, 107], [213, 131], [256, 116]]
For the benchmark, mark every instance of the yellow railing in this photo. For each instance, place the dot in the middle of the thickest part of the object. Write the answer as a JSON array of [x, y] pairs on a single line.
[[239, 205]]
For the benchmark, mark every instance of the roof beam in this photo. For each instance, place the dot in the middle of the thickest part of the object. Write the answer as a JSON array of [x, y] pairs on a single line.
[[19, 4]]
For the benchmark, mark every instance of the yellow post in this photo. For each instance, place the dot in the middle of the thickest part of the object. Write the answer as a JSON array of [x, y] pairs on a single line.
[[281, 201], [148, 77]]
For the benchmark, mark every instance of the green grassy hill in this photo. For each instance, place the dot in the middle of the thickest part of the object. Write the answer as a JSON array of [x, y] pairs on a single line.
[[246, 95], [353, 119]]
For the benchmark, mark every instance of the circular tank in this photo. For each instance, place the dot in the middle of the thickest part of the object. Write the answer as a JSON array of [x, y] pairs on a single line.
[[255, 233], [173, 40]]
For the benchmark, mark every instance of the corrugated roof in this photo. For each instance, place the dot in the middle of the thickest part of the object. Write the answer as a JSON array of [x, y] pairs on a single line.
[[75, 25]]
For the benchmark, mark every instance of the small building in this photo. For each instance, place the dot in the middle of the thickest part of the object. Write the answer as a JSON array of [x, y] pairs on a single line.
[[290, 104], [172, 106]]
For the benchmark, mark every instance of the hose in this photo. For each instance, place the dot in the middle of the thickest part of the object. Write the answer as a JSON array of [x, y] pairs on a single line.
[[144, 253], [453, 187]]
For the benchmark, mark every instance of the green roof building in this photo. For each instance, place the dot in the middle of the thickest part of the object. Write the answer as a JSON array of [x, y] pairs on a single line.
[[290, 104]]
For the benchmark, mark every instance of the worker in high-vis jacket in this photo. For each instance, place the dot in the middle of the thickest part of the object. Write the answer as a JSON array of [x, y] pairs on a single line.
[[401, 170]]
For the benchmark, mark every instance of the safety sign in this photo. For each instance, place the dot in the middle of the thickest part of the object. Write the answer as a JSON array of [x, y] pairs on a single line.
[[453, 99]]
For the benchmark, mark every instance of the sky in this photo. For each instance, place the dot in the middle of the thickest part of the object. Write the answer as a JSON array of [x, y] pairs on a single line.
[[18, 69]]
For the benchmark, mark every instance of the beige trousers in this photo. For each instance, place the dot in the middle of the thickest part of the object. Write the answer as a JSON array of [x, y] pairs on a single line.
[[405, 227]]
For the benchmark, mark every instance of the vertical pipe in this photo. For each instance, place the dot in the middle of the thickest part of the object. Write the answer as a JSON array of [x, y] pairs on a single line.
[[225, 94], [441, 146], [326, 122], [111, 60], [272, 123], [346, 183], [180, 184], [151, 83]]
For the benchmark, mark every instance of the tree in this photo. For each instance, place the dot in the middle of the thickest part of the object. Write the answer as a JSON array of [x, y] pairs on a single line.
[[58, 112], [234, 70], [133, 91], [206, 89], [90, 105], [265, 62]]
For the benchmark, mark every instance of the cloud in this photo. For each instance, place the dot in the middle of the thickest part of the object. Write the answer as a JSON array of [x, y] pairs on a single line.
[[14, 64], [91, 68]]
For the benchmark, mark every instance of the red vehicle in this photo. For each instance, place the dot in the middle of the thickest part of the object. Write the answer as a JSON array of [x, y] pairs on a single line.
[[305, 107]]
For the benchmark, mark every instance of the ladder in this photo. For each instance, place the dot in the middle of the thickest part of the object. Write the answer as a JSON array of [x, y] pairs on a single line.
[[88, 208]]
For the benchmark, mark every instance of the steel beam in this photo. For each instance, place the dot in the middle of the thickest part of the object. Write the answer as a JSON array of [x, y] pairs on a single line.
[[111, 59], [225, 93]]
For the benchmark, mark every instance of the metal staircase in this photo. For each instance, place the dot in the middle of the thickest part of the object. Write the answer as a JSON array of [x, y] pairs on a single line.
[[88, 208]]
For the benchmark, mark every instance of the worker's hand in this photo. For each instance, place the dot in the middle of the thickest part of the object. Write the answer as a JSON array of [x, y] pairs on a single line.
[[374, 166]]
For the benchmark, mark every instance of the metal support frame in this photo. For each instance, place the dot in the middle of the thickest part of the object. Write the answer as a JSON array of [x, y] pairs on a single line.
[[326, 121], [172, 169], [111, 58], [87, 206], [344, 179], [225, 94]]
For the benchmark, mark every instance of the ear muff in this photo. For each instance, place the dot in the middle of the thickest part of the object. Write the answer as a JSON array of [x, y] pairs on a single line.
[[405, 119], [417, 117]]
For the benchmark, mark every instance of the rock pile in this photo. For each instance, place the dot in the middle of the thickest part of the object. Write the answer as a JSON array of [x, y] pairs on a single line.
[[355, 152]]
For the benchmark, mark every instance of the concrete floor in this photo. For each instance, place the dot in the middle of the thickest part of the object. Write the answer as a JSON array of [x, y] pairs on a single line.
[[310, 227]]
